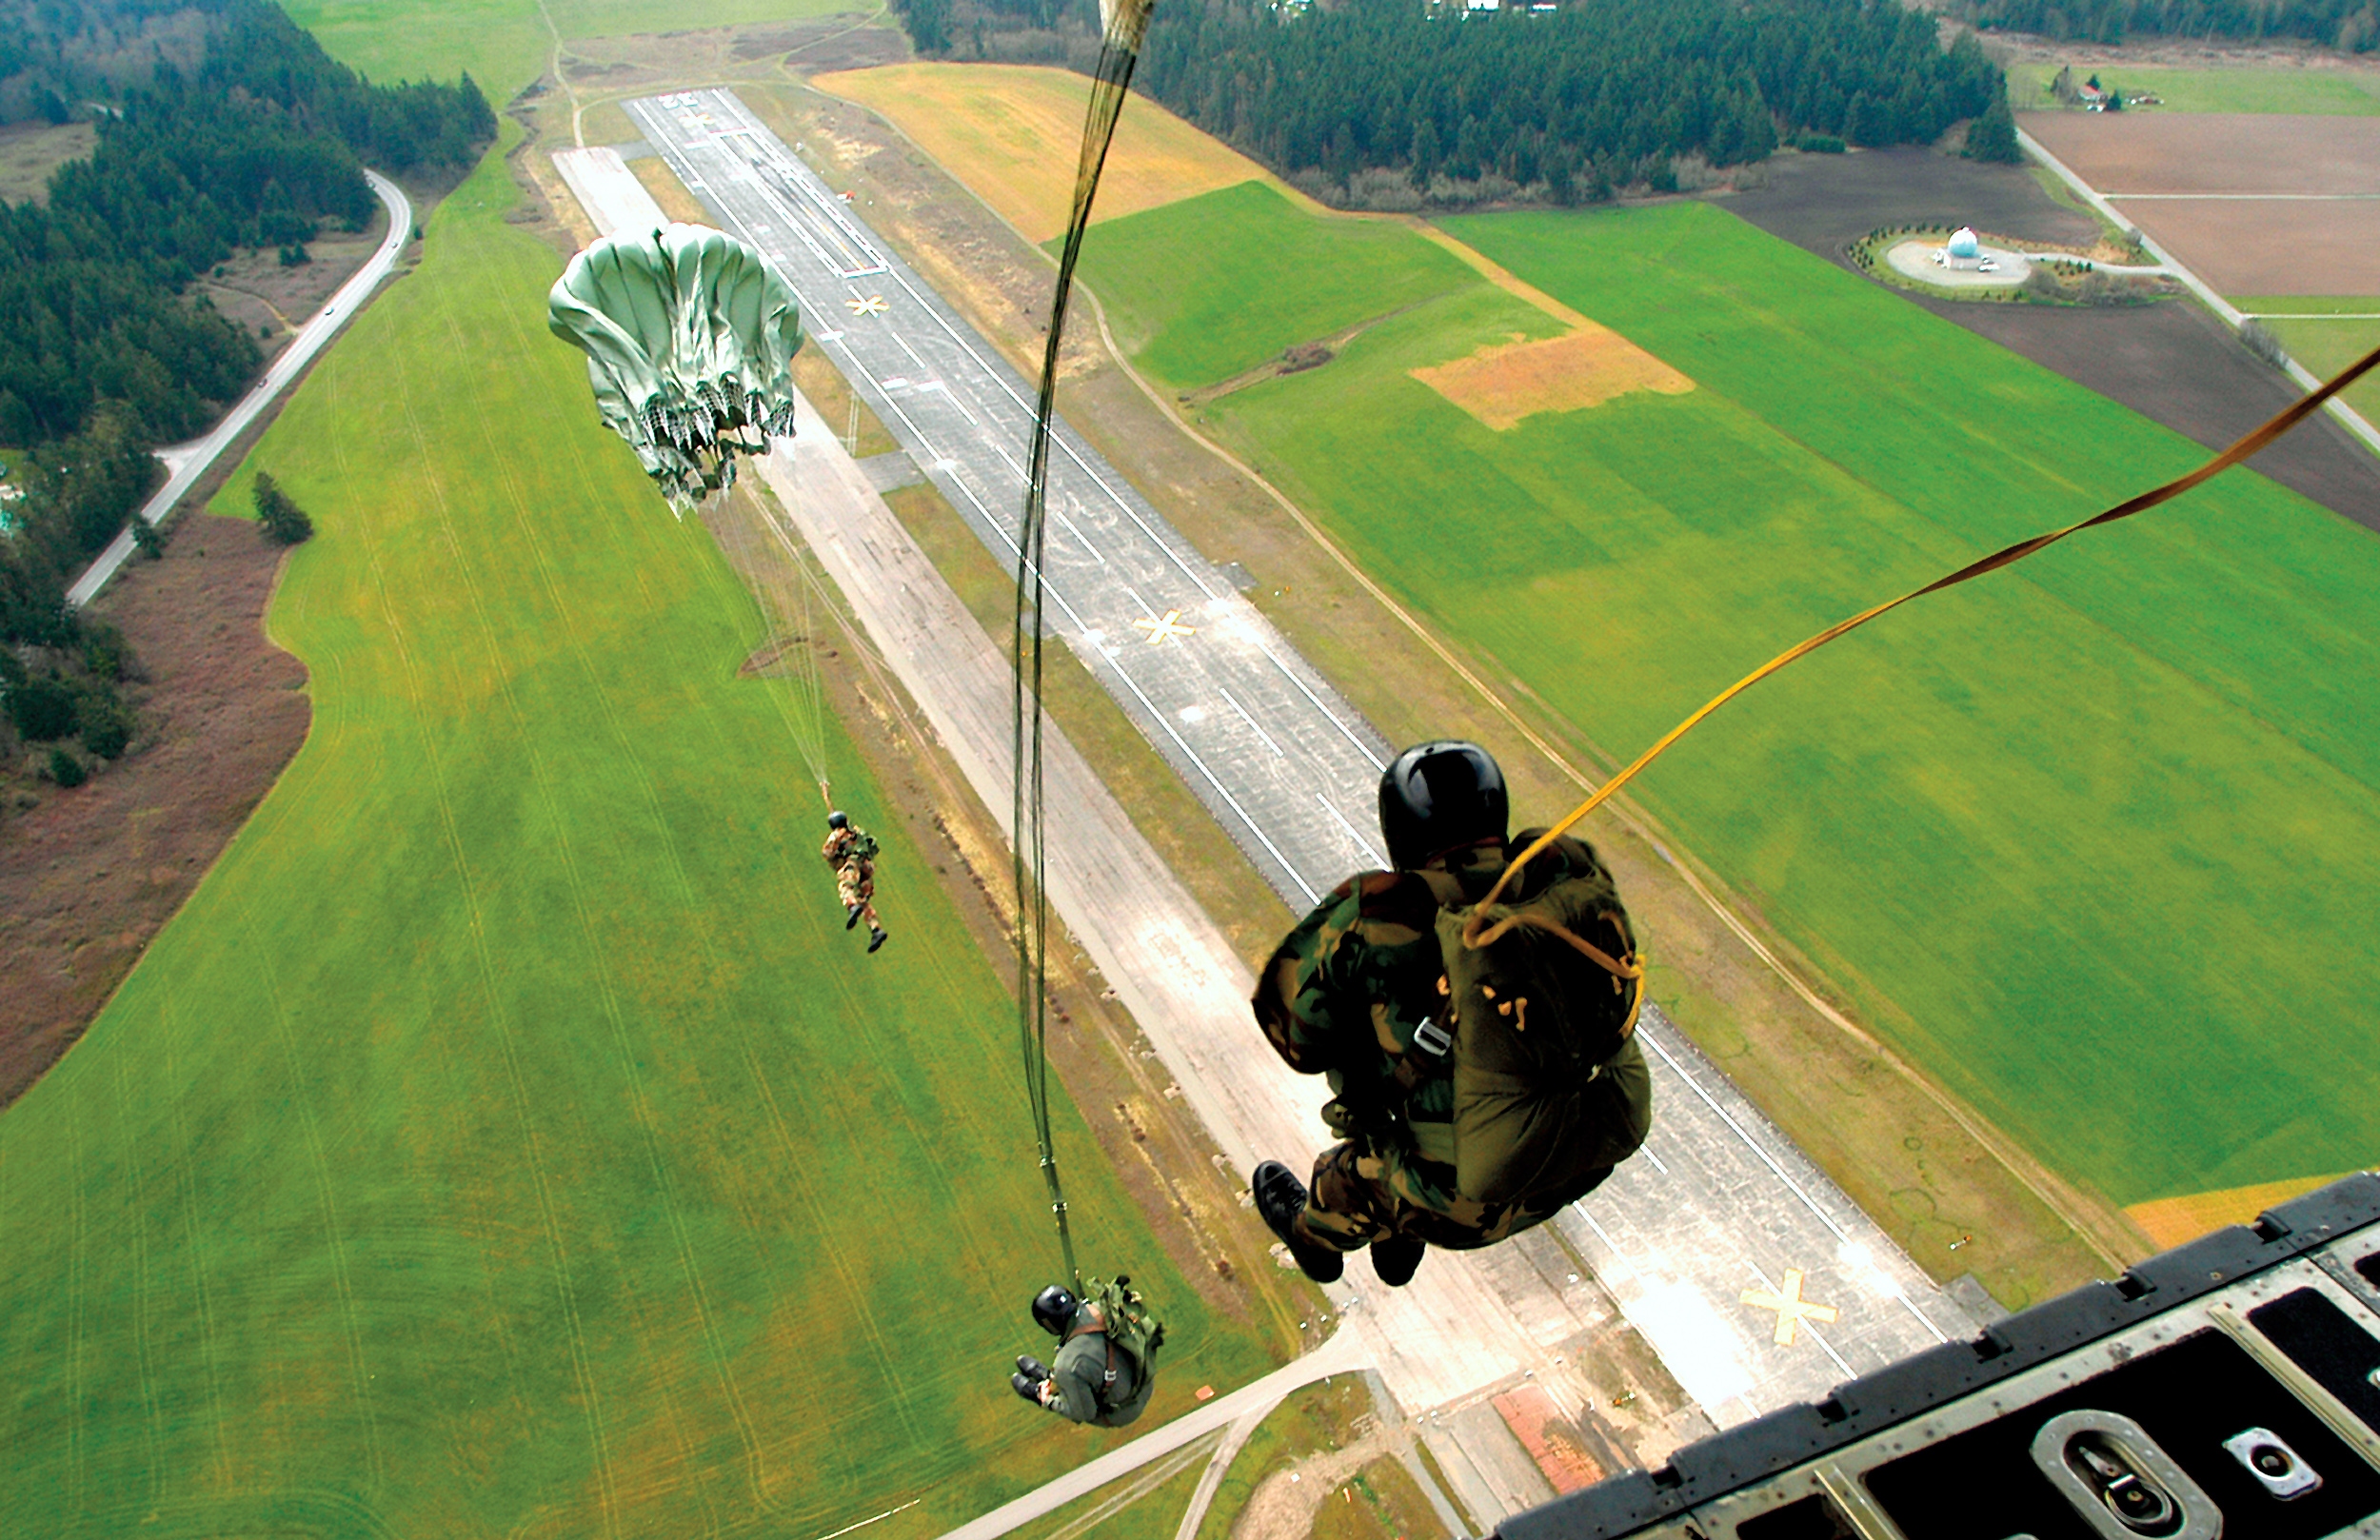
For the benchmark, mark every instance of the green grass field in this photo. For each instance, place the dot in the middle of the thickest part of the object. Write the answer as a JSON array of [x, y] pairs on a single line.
[[2095, 840], [2333, 333], [1322, 278], [505, 44], [508, 1138], [2318, 93]]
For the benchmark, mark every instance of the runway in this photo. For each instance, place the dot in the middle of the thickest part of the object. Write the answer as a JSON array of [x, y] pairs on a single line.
[[1717, 1207]]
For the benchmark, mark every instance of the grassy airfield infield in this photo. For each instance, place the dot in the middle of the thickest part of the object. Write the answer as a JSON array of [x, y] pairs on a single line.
[[2095, 840], [508, 1139]]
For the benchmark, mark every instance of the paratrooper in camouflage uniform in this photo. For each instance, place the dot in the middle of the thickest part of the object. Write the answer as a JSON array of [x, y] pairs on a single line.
[[1354, 993], [851, 851]]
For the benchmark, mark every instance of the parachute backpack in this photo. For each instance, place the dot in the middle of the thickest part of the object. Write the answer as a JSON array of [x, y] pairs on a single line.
[[1126, 1321], [1540, 996], [689, 337]]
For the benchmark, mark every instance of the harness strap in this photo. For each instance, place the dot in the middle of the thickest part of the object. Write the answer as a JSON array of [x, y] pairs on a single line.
[[1476, 939], [1107, 1377]]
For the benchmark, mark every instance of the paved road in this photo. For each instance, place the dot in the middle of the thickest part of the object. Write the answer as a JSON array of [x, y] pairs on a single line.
[[186, 463], [1251, 1401], [1719, 1205]]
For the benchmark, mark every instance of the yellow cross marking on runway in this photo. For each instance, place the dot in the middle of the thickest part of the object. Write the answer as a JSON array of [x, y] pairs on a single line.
[[1790, 1307], [1169, 627], [873, 304]]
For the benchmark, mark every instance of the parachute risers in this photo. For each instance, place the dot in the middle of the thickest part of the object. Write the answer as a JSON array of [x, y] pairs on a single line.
[[689, 339]]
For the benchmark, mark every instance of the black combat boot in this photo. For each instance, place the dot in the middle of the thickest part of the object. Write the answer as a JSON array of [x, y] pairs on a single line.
[[877, 936], [851, 916], [1396, 1258], [1027, 1380], [1280, 1198]]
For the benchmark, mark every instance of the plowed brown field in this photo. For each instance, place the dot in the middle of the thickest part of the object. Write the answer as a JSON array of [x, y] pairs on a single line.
[[2252, 204], [2144, 151], [2262, 248]]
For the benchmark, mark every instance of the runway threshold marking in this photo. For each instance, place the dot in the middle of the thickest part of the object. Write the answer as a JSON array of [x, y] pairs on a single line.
[[1790, 1307], [1160, 630]]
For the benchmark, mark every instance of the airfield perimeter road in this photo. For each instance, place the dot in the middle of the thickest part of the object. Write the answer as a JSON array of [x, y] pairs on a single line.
[[1718, 1205], [186, 463]]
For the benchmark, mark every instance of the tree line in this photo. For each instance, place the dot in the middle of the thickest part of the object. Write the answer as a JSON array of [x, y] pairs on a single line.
[[1563, 103], [104, 353], [56, 54], [2349, 24]]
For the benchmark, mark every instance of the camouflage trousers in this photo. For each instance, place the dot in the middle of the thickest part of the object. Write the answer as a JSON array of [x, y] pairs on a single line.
[[1357, 1198], [855, 883]]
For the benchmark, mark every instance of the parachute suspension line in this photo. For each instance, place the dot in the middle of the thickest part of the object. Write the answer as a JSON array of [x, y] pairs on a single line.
[[811, 689], [791, 621], [2288, 418], [1123, 24]]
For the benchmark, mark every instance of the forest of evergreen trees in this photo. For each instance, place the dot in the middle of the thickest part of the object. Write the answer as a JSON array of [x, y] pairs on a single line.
[[56, 54], [1565, 103], [2351, 25], [101, 345]]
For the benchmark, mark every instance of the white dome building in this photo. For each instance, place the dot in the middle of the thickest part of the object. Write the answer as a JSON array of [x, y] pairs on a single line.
[[1963, 250]]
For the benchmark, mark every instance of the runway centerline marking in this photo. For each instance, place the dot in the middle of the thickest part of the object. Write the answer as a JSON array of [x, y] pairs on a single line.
[[1253, 725], [1361, 843]]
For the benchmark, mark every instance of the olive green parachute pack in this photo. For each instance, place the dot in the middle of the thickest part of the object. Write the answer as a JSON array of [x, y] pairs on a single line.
[[689, 338], [1540, 996], [1127, 1323]]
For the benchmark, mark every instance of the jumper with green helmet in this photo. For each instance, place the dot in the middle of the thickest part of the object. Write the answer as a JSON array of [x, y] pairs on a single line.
[[1481, 1057]]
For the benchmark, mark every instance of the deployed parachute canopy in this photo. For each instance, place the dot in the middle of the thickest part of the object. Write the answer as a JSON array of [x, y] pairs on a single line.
[[690, 340]]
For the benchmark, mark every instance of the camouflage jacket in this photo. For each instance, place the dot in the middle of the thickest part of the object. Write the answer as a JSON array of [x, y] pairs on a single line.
[[1347, 991], [840, 846]]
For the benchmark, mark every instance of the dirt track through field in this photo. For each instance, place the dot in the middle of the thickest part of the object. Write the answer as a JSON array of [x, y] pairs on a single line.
[[2252, 204]]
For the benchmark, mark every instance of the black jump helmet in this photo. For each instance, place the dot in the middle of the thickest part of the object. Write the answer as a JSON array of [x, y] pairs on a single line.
[[1436, 797], [1054, 1308]]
